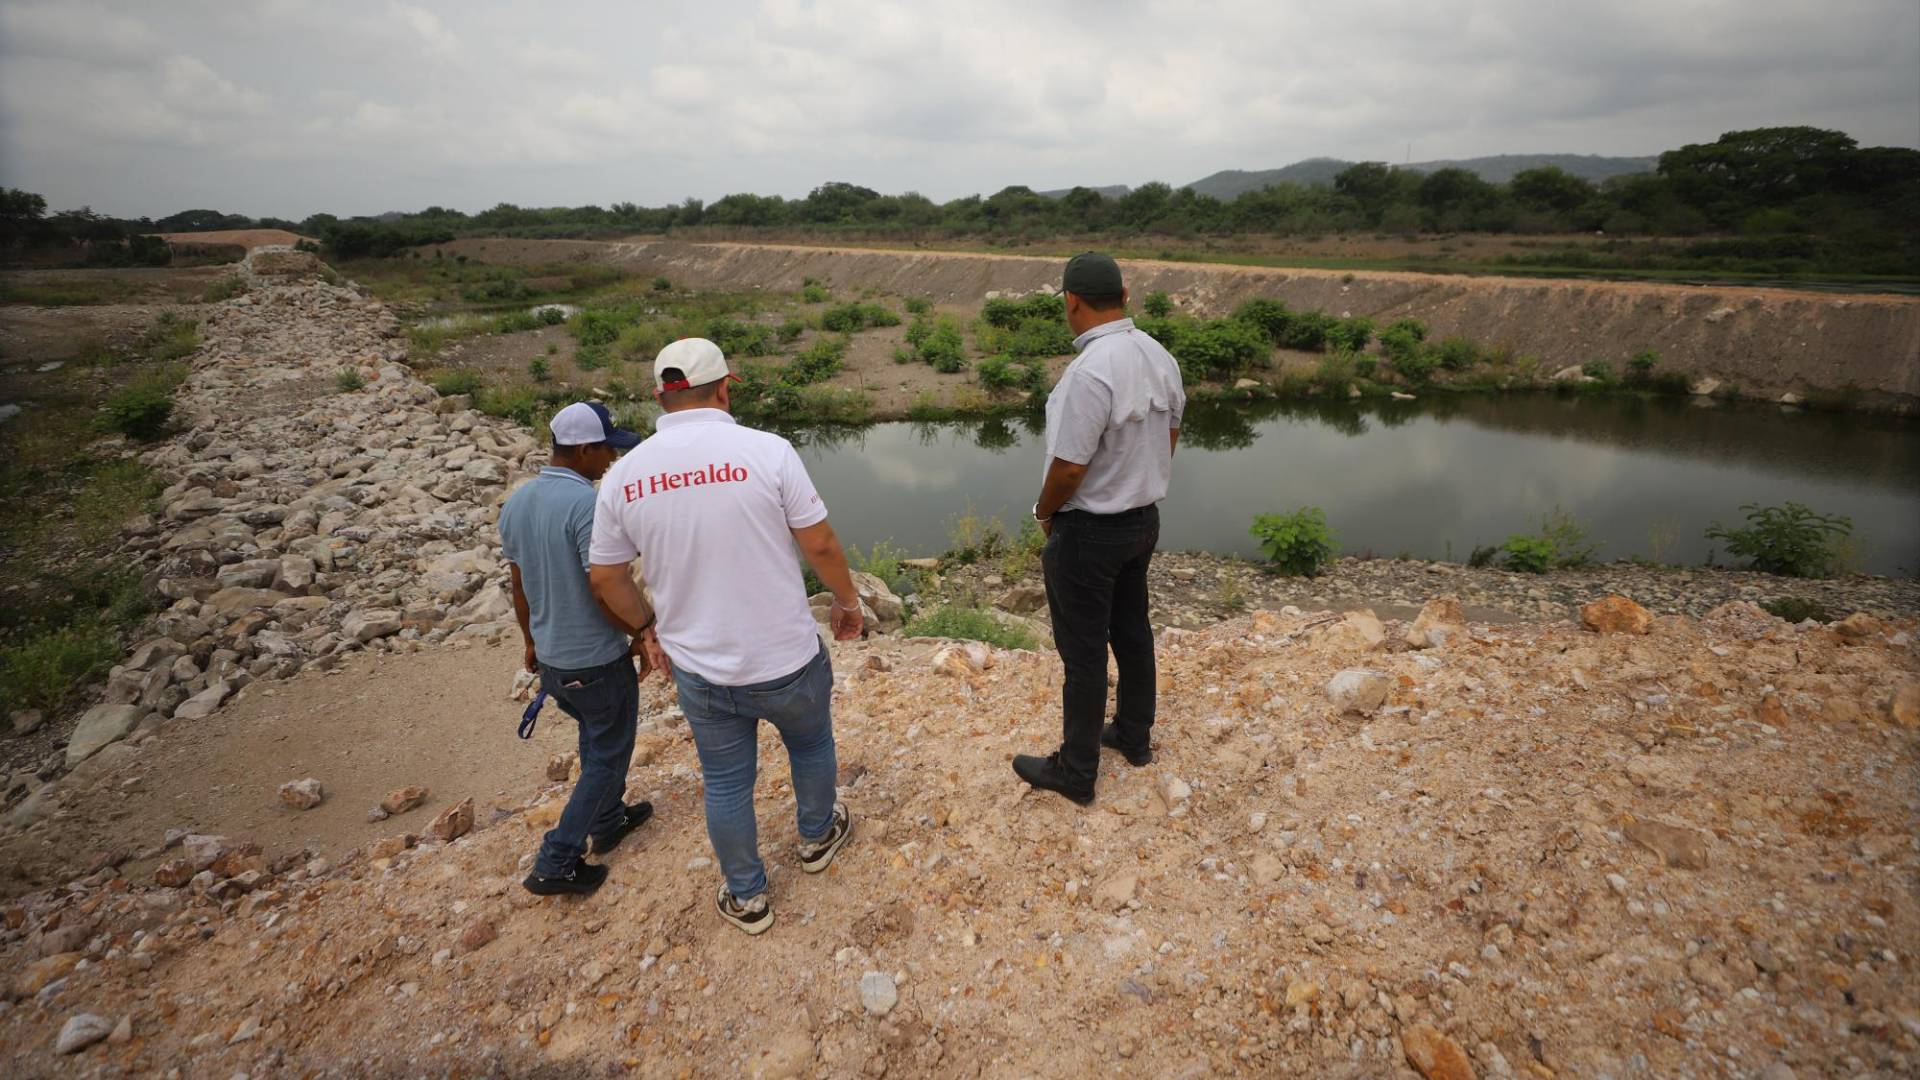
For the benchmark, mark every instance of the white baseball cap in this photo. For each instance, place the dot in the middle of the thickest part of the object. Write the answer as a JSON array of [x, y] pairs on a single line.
[[697, 360], [586, 422]]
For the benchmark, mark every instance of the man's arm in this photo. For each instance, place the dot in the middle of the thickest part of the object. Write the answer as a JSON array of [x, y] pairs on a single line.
[[1063, 479], [523, 612], [821, 548], [1173, 440]]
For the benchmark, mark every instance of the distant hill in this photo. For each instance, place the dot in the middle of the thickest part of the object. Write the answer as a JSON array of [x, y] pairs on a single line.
[[1497, 169], [1111, 191]]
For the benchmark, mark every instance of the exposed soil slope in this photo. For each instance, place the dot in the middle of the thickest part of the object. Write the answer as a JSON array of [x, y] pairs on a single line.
[[1765, 341]]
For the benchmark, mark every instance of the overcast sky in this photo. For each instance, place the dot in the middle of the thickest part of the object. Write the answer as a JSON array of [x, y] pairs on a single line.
[[287, 107]]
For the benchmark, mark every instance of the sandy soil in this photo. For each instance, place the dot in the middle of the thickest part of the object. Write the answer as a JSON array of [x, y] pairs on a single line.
[[245, 238]]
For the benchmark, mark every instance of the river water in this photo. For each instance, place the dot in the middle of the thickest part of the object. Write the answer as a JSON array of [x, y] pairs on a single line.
[[1429, 478]]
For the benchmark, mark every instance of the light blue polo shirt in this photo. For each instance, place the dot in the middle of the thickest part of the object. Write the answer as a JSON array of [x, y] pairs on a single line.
[[545, 529]]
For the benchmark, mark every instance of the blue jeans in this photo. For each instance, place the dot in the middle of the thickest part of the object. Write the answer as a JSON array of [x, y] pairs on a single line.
[[725, 723], [605, 700]]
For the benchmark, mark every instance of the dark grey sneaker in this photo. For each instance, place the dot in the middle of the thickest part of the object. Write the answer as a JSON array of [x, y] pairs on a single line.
[[582, 880], [632, 818], [755, 916], [818, 855]]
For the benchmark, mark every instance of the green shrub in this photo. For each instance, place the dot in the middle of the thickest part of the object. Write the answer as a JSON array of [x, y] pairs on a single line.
[[225, 288], [918, 305], [661, 284], [1334, 373], [737, 338], [1350, 335], [550, 315], [1560, 544], [1297, 544], [1308, 331], [1271, 316], [1791, 540], [1456, 354], [1795, 609], [817, 362], [972, 536], [40, 669], [591, 357], [813, 292], [451, 382], [595, 326], [1640, 368], [1006, 313], [940, 344], [1211, 348], [1402, 336], [169, 338], [1416, 366], [846, 318], [537, 369], [517, 322], [140, 410], [919, 330], [347, 380], [969, 624], [791, 329], [1597, 369], [1157, 305], [1365, 366], [1004, 372]]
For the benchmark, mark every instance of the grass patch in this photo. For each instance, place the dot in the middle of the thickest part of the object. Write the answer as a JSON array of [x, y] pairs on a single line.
[[968, 624], [1795, 609], [225, 288], [67, 293], [170, 338], [451, 382]]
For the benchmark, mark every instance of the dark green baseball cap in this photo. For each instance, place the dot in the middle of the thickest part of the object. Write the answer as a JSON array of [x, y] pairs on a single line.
[[1094, 276]]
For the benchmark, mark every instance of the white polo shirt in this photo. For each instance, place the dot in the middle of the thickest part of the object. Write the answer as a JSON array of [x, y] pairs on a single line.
[[711, 506]]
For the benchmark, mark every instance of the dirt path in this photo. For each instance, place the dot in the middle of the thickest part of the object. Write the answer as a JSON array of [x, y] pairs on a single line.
[[1764, 341]]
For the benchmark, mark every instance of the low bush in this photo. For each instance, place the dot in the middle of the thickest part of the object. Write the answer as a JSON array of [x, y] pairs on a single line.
[[1795, 609], [661, 284], [451, 382], [225, 288], [169, 338], [39, 669], [939, 343], [791, 329], [972, 536], [517, 322], [1334, 374], [1005, 373], [1297, 544], [737, 338], [347, 380], [1790, 540], [1365, 366], [1597, 369], [1640, 368], [1006, 313], [538, 369], [1350, 335], [969, 624], [595, 326], [817, 362], [140, 410], [812, 292], [846, 318], [1211, 348], [1157, 305], [1456, 354], [918, 305], [592, 357], [1560, 544]]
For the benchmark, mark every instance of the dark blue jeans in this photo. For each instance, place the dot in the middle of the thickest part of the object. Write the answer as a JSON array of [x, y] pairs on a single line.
[[605, 701], [726, 723], [1096, 569]]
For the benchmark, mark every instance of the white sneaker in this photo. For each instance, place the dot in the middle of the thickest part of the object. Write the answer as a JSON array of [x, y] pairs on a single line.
[[755, 916], [818, 855]]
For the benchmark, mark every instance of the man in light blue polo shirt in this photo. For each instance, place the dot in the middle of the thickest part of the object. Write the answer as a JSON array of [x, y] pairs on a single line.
[[583, 655]]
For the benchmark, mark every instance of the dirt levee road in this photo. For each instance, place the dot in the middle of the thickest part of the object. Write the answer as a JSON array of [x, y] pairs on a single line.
[[1764, 341]]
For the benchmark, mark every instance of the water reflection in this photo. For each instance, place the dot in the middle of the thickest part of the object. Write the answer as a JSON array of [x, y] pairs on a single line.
[[1433, 477]]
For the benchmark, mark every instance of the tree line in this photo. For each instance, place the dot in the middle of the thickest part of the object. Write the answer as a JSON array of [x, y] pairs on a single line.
[[1785, 198]]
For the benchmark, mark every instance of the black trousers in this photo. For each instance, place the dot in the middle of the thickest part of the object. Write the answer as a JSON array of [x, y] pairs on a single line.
[[1096, 571]]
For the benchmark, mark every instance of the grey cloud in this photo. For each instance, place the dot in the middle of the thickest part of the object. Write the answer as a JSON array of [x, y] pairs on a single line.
[[292, 106]]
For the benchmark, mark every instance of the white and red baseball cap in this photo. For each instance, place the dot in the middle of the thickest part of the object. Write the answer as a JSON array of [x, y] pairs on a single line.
[[586, 422], [690, 362]]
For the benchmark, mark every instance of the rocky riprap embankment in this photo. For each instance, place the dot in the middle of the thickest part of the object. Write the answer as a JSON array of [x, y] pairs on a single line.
[[302, 522], [1365, 848]]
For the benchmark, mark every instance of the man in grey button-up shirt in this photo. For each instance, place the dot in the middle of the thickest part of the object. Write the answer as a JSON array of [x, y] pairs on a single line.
[[1113, 421]]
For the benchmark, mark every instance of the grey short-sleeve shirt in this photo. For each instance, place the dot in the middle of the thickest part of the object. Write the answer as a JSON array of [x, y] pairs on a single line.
[[544, 530], [1113, 411]]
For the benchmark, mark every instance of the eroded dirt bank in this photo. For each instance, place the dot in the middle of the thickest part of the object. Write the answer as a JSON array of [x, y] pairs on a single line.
[[1765, 342]]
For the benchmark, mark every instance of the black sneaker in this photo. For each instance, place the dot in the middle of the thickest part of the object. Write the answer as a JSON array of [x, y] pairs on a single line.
[[636, 816], [1046, 773], [1110, 738], [755, 916], [580, 881], [818, 855]]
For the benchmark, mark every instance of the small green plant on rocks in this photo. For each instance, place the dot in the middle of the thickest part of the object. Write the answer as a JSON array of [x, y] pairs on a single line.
[[1797, 609], [969, 624], [1561, 544], [1791, 540], [347, 380], [141, 409], [1297, 544]]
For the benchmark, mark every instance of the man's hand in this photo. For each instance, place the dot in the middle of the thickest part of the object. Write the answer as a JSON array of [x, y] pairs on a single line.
[[653, 655], [1046, 527], [846, 621], [532, 661], [639, 652]]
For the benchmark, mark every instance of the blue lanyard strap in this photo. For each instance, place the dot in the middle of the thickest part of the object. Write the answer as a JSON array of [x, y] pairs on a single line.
[[532, 715]]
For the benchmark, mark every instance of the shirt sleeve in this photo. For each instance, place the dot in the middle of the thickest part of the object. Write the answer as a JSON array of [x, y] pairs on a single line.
[[507, 533], [610, 546], [581, 529], [1083, 418], [797, 496], [1179, 402]]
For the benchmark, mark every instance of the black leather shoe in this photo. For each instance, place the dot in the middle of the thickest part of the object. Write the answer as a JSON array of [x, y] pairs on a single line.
[[636, 816], [1110, 738], [580, 881], [1045, 773]]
